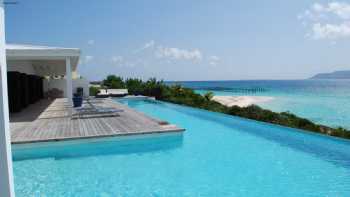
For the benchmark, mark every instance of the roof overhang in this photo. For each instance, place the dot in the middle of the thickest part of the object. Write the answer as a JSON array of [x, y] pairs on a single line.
[[46, 60]]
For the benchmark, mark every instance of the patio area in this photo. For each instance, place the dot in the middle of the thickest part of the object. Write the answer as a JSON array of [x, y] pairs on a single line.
[[51, 120]]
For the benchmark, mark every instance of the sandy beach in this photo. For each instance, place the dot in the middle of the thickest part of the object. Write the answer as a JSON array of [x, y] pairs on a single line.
[[241, 101]]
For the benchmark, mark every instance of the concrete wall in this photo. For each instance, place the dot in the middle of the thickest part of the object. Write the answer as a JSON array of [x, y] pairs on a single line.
[[61, 85], [22, 66]]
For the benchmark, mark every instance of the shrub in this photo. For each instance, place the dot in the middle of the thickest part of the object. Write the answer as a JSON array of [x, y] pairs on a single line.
[[114, 82], [209, 95], [94, 90], [135, 86]]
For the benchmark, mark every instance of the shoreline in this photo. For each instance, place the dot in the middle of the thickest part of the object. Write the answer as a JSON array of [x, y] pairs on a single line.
[[241, 101]]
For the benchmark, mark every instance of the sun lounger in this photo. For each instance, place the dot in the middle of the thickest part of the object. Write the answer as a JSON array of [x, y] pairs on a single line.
[[92, 111], [117, 92], [102, 94], [87, 113]]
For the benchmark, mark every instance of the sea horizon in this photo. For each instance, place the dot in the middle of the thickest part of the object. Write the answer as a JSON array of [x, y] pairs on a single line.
[[320, 100], [212, 80]]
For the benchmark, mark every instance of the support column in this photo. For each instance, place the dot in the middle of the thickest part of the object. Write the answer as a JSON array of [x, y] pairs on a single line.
[[69, 89], [6, 173]]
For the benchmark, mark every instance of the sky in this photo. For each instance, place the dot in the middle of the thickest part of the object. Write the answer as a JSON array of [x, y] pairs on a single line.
[[190, 40]]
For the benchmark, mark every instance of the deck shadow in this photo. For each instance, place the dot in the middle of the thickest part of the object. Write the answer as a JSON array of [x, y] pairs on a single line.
[[30, 113]]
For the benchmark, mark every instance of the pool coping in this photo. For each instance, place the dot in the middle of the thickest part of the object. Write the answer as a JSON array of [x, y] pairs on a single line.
[[93, 140], [129, 122]]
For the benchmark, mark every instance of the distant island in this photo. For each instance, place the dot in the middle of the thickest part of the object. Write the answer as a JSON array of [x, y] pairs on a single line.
[[344, 74]]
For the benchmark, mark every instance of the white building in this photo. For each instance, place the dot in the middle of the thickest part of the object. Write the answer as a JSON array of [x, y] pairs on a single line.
[[56, 67], [50, 63], [42, 62]]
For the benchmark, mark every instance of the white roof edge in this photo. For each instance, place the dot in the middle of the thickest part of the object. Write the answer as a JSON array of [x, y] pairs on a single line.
[[13, 50], [13, 46]]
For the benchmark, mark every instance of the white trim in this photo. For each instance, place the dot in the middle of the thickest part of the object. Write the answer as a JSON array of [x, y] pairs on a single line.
[[36, 47], [43, 55], [69, 83], [6, 172], [17, 50]]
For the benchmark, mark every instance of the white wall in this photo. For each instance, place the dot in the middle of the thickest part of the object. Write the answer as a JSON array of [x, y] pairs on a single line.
[[6, 173], [61, 85], [22, 66], [55, 83], [81, 83]]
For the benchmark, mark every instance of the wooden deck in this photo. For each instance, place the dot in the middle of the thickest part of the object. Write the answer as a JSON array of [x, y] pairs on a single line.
[[52, 121]]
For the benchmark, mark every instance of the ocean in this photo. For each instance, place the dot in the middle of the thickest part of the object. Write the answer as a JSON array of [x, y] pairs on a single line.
[[322, 101]]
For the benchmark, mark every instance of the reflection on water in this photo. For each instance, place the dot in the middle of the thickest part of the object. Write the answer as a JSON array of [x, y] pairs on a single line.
[[326, 148]]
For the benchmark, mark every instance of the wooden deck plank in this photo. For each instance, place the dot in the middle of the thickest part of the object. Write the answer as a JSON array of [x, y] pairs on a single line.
[[51, 121]]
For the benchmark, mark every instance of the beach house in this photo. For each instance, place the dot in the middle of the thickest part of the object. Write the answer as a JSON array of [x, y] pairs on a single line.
[[46, 71], [32, 71], [35, 72], [37, 85]]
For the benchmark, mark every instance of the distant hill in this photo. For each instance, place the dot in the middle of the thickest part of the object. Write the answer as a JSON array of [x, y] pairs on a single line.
[[344, 74]]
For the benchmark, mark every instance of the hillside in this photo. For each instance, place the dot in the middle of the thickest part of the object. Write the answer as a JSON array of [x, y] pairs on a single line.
[[345, 74]]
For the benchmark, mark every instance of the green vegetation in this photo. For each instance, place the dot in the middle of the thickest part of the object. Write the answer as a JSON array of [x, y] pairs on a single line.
[[113, 82], [208, 95], [186, 96], [94, 90]]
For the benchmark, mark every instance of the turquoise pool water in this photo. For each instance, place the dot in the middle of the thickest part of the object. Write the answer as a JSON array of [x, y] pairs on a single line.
[[218, 155]]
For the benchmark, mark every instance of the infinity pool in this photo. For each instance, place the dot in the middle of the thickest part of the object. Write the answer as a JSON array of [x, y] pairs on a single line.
[[218, 155]]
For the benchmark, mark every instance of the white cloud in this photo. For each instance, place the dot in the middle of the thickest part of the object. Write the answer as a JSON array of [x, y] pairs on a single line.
[[126, 62], [91, 42], [317, 7], [341, 9], [86, 59], [171, 54], [130, 64], [214, 60], [327, 21], [326, 11], [117, 59], [147, 45], [178, 54], [331, 31]]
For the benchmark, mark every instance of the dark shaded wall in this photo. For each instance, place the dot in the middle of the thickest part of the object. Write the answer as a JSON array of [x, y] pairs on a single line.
[[23, 90]]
